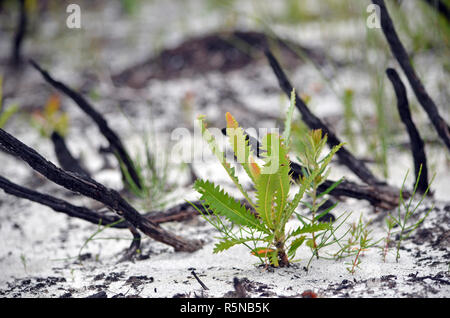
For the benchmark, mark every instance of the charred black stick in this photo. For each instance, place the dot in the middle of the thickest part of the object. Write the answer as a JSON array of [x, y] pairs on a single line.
[[20, 34], [113, 139], [399, 52], [59, 205], [65, 158], [134, 246], [440, 7], [71, 210], [379, 196], [92, 189], [177, 213], [417, 144], [355, 165], [180, 212], [199, 281]]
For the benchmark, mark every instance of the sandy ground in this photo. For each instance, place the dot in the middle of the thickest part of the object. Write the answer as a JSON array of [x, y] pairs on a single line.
[[42, 253]]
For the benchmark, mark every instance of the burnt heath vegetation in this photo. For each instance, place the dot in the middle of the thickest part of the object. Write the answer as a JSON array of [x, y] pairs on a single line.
[[285, 148]]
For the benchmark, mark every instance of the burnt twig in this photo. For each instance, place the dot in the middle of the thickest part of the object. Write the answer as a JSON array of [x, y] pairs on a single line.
[[178, 213], [91, 188], [134, 246], [417, 144], [357, 166], [440, 7], [71, 210], [20, 34], [65, 157], [59, 205], [384, 197], [113, 139], [199, 281], [399, 52]]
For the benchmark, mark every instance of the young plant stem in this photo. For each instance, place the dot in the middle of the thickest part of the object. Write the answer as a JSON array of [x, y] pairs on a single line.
[[283, 259], [386, 245], [355, 262], [313, 221]]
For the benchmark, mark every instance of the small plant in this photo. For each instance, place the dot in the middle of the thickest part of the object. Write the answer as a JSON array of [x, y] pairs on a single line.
[[51, 118], [94, 237], [354, 242], [261, 225], [23, 260], [359, 242], [311, 149], [402, 219], [6, 114], [154, 185]]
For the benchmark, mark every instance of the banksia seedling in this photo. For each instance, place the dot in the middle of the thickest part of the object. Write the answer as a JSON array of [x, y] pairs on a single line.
[[260, 222]]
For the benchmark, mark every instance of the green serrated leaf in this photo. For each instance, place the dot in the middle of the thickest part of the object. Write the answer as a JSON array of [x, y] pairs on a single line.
[[273, 257], [225, 205], [273, 184], [295, 245], [228, 243], [311, 228], [209, 138], [240, 144]]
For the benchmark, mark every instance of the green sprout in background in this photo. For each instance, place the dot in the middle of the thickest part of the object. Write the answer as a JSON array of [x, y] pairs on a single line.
[[7, 113], [51, 118]]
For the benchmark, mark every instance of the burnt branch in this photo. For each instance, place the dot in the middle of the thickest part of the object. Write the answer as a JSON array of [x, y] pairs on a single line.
[[399, 52], [384, 197], [65, 158], [355, 165], [59, 205], [71, 210], [113, 139], [92, 189], [199, 280], [417, 144], [181, 212], [178, 213], [19, 36], [134, 246]]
